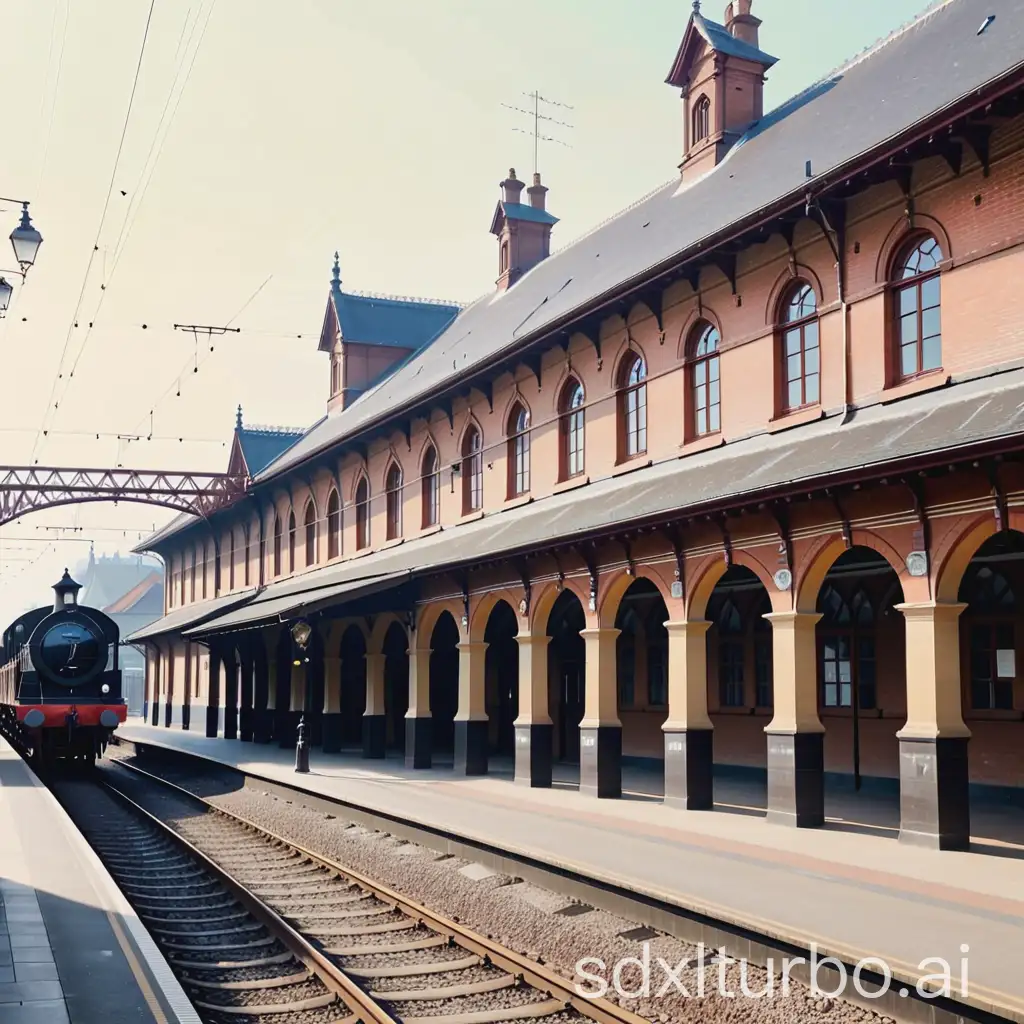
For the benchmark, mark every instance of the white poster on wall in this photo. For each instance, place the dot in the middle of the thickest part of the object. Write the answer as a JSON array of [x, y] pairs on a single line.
[[1006, 666]]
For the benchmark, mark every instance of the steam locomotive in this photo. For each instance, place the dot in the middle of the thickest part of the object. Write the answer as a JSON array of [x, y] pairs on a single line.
[[60, 685]]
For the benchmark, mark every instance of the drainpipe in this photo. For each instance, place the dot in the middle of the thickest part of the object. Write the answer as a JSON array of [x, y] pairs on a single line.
[[836, 243]]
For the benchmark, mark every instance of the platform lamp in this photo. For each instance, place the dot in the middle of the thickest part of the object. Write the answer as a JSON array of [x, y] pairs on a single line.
[[301, 632], [25, 239]]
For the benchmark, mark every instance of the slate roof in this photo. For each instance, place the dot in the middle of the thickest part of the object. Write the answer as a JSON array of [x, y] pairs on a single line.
[[260, 446], [946, 423], [395, 322], [720, 39], [523, 211], [918, 71]]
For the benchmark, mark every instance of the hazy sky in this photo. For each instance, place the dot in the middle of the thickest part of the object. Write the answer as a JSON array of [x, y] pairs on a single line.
[[373, 128]]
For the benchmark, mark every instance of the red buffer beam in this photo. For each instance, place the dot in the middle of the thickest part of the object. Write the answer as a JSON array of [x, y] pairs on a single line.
[[25, 489]]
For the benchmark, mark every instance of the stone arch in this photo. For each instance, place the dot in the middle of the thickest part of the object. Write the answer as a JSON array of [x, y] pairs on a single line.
[[713, 568], [698, 313], [568, 371], [361, 473], [471, 423], [427, 618], [480, 611], [381, 625], [785, 280], [817, 564], [613, 592], [626, 347], [960, 547], [898, 234], [543, 602], [516, 397]]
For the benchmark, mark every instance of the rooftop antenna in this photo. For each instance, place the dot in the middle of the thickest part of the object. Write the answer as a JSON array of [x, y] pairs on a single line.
[[536, 100]]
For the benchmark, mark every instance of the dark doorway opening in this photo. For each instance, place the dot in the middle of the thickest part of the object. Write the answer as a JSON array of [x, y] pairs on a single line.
[[567, 659], [352, 699], [396, 685], [444, 681], [502, 675]]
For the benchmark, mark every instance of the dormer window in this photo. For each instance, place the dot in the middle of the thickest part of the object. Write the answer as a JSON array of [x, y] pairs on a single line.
[[504, 257], [701, 119]]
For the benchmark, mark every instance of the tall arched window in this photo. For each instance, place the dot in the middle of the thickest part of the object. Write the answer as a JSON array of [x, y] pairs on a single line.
[[431, 479], [245, 552], [472, 471], [181, 582], [847, 649], [393, 486], [333, 525], [231, 559], [701, 119], [310, 524], [570, 429], [991, 613], [632, 406], [362, 514], [206, 566], [798, 350], [705, 388], [277, 544], [192, 577], [917, 327], [518, 431], [291, 540]]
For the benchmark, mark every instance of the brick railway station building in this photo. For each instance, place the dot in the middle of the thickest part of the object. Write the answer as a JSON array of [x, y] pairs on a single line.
[[732, 480]]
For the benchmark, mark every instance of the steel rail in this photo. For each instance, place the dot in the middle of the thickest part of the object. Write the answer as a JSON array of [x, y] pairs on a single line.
[[535, 974], [362, 1006]]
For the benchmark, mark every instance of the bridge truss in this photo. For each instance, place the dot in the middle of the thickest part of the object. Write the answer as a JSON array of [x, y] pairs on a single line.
[[25, 489]]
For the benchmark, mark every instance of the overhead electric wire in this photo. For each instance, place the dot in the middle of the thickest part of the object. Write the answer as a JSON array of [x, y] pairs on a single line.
[[56, 83], [99, 230]]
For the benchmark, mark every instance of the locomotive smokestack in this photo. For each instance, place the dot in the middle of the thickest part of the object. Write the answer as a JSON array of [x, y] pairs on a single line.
[[65, 592]]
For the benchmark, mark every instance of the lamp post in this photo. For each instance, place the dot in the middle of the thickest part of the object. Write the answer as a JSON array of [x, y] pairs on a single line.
[[301, 632], [25, 240]]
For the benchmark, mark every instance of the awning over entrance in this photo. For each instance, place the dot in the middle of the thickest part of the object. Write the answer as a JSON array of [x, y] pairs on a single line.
[[938, 425], [191, 615]]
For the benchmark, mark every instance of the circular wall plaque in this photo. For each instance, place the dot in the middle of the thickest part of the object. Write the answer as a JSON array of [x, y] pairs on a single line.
[[917, 563], [783, 579]]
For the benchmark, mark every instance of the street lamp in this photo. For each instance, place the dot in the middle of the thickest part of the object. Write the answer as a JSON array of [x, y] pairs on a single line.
[[301, 632], [25, 240], [6, 291]]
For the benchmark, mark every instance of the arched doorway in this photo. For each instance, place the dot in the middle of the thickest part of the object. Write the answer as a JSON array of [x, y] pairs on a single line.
[[352, 696], [567, 660], [641, 670], [992, 685], [396, 685], [502, 679], [444, 682]]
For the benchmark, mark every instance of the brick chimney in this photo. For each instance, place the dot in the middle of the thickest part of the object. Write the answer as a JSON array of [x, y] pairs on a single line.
[[523, 231], [741, 23]]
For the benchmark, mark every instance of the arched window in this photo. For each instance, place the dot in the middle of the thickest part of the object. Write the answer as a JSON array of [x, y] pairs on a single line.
[[632, 406], [701, 119], [362, 514], [333, 525], [731, 656], [335, 372], [504, 257], [231, 559], [798, 351], [310, 524], [181, 582], [991, 611], [472, 471], [245, 551], [518, 431], [705, 389], [570, 428], [431, 479], [393, 486], [291, 540], [917, 328], [277, 544], [206, 566], [192, 577], [847, 649]]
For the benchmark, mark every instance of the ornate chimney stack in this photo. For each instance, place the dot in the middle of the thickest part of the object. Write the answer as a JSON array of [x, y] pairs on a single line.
[[524, 231], [537, 192], [741, 23], [512, 187]]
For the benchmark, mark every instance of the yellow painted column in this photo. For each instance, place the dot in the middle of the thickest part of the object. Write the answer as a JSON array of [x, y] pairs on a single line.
[[689, 749], [419, 738], [533, 726], [471, 740], [374, 717], [795, 735], [332, 685], [600, 729], [934, 772]]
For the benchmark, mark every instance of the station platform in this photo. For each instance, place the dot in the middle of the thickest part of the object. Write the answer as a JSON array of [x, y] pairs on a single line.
[[853, 891], [72, 951]]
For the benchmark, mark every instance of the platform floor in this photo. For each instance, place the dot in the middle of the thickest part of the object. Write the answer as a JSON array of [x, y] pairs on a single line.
[[71, 949], [849, 887]]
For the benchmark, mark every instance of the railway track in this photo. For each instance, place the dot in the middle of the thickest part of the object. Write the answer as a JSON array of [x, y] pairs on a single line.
[[262, 930]]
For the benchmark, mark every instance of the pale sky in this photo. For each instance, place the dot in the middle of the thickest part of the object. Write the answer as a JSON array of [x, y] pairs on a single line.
[[376, 129]]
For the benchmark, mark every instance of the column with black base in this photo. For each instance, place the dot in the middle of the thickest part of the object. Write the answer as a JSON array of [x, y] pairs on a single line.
[[689, 746], [934, 779], [374, 721], [795, 735], [419, 732], [213, 694], [471, 725], [600, 729], [332, 704], [534, 731], [231, 697]]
